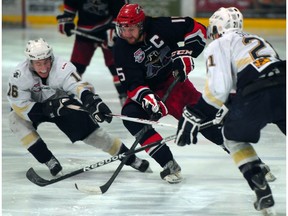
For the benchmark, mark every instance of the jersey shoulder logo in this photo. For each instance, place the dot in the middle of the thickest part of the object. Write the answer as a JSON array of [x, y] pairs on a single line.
[[139, 55], [17, 74], [36, 87]]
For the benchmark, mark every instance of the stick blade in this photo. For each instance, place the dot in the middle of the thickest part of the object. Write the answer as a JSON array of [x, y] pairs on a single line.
[[89, 189], [36, 179]]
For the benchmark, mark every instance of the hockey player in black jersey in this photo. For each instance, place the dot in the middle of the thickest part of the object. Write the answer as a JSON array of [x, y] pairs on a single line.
[[146, 54]]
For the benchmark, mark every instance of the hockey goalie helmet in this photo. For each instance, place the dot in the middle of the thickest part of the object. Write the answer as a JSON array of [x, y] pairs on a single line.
[[130, 15], [38, 49], [223, 20]]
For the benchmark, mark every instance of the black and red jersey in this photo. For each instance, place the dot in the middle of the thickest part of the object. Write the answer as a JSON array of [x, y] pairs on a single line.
[[93, 15], [148, 64]]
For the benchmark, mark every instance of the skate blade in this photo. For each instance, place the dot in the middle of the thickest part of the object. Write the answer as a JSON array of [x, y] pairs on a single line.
[[149, 170], [269, 211], [173, 178], [270, 177]]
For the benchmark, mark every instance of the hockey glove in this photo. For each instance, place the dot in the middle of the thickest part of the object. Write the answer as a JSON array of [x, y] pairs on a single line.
[[154, 106], [97, 108], [221, 114], [111, 37], [188, 126], [58, 107], [183, 63], [65, 24]]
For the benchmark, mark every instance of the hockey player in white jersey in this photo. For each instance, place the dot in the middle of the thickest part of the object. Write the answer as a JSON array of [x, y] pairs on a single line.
[[247, 64], [41, 88]]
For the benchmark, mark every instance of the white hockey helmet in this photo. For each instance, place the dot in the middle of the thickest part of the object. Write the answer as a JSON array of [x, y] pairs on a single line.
[[38, 49], [223, 20]]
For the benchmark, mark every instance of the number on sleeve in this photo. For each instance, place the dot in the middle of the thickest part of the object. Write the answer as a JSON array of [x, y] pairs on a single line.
[[210, 61], [12, 91], [120, 74], [76, 76]]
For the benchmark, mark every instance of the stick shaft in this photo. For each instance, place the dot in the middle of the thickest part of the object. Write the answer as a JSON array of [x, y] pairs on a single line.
[[99, 40], [36, 179], [143, 121]]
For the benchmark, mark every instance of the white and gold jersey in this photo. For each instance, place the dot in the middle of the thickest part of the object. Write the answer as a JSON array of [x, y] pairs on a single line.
[[26, 88], [227, 56]]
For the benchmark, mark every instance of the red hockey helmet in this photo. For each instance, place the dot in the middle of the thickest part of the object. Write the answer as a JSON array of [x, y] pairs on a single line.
[[130, 14]]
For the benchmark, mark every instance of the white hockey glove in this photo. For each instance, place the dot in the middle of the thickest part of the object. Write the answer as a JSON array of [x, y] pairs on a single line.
[[97, 108], [188, 126], [154, 106], [111, 37], [183, 63], [220, 115], [58, 107]]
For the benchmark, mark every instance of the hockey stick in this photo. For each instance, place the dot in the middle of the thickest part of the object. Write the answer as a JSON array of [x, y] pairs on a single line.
[[99, 40], [38, 180], [142, 121], [123, 117], [102, 189], [150, 122]]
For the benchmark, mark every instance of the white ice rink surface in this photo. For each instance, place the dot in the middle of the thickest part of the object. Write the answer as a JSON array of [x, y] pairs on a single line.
[[212, 185]]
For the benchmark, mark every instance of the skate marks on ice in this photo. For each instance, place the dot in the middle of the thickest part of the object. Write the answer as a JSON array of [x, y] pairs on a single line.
[[205, 190], [212, 185]]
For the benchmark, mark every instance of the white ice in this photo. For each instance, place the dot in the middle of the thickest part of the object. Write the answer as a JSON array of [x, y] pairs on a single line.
[[212, 185]]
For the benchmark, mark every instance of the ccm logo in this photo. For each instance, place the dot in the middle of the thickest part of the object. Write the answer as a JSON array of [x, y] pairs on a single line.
[[182, 52]]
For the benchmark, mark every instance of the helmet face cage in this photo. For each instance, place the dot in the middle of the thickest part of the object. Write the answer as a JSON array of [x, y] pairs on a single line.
[[38, 49], [130, 15], [224, 19]]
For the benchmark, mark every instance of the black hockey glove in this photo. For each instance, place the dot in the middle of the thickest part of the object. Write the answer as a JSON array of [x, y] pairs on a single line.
[[58, 107], [96, 107], [65, 24], [220, 115], [183, 63], [154, 106], [188, 126]]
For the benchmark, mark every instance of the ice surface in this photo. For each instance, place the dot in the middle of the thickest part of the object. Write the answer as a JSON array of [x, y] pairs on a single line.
[[212, 184]]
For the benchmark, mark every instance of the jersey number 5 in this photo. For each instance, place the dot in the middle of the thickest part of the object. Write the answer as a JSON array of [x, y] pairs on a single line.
[[120, 74]]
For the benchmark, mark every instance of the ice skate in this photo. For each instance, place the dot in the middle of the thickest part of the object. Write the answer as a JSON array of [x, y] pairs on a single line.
[[141, 165], [171, 172], [267, 173], [265, 201], [54, 166]]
